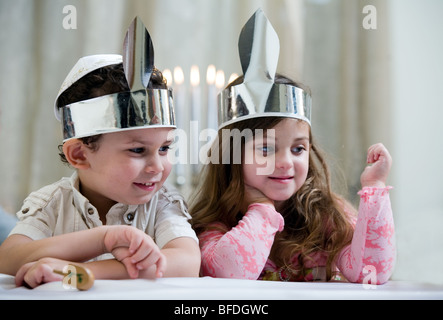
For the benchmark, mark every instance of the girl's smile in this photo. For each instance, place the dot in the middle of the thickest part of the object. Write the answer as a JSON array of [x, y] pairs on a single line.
[[282, 179], [286, 151]]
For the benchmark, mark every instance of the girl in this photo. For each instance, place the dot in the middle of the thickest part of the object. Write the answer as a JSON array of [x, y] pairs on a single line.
[[287, 224]]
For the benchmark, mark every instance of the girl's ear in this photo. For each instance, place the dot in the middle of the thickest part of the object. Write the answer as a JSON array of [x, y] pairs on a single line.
[[74, 151]]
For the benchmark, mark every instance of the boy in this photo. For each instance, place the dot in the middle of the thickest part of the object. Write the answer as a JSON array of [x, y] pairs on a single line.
[[117, 120]]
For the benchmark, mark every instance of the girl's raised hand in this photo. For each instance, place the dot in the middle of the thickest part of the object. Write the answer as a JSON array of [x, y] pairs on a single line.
[[376, 173]]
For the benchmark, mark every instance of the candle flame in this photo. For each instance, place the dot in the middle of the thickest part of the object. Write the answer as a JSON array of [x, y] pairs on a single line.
[[179, 77], [232, 77], [195, 76], [167, 74], [210, 74], [220, 79]]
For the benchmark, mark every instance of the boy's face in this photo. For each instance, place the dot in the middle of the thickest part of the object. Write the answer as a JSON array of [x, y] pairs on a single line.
[[129, 166]]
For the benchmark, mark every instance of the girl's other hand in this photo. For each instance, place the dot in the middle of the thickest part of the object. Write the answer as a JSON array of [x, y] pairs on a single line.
[[253, 195], [376, 174]]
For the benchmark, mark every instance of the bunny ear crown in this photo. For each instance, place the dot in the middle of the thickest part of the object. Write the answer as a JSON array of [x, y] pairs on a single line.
[[137, 108], [259, 95], [138, 57], [259, 48]]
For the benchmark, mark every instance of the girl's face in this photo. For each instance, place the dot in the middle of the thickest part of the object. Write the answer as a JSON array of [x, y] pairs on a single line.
[[128, 167], [279, 160]]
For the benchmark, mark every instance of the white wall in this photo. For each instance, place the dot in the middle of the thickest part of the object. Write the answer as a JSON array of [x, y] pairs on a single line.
[[417, 83]]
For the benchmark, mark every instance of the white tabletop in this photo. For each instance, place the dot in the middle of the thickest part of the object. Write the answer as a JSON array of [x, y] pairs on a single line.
[[207, 288]]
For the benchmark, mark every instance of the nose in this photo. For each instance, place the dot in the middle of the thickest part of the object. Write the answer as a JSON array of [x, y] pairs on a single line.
[[283, 159], [154, 164]]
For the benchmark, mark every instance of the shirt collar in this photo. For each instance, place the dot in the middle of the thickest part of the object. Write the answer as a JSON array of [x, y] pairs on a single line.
[[85, 207]]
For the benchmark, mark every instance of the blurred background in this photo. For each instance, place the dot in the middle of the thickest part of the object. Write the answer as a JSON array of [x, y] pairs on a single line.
[[374, 69]]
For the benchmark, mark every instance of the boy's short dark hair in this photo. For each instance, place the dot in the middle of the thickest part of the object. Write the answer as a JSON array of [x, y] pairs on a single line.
[[103, 81]]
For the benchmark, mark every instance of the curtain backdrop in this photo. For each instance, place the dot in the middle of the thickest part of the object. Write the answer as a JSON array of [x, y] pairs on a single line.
[[322, 45], [368, 86], [37, 52], [347, 68]]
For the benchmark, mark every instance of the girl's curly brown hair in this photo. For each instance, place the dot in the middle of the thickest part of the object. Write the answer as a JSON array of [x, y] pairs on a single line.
[[316, 219]]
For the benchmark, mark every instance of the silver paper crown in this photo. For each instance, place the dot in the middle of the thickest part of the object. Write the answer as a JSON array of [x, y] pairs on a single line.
[[135, 109], [259, 95]]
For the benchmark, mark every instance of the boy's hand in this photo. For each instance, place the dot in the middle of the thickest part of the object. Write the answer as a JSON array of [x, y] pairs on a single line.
[[135, 249], [376, 174], [33, 274]]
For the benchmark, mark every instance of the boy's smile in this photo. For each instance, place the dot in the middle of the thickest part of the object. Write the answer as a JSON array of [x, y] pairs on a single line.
[[128, 167], [148, 186]]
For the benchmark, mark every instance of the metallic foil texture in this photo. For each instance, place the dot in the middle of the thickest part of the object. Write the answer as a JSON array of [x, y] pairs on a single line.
[[138, 108], [259, 95]]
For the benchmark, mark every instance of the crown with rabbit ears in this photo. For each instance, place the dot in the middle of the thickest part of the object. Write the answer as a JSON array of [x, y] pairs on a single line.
[[137, 108], [259, 95]]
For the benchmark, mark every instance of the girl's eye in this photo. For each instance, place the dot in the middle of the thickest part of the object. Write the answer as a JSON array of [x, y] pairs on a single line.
[[265, 150], [298, 150]]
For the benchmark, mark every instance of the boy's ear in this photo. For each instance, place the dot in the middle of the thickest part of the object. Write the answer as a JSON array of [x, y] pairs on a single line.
[[74, 151]]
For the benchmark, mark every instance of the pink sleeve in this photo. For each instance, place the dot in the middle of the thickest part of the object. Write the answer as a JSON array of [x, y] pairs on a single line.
[[242, 251], [370, 258]]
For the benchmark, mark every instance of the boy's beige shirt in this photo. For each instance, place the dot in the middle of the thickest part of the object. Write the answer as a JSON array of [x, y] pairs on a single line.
[[60, 208]]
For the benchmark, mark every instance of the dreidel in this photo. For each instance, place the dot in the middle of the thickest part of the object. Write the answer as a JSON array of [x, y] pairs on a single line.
[[77, 277]]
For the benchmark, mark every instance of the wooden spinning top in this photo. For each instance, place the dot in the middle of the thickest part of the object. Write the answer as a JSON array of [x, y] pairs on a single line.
[[77, 277]]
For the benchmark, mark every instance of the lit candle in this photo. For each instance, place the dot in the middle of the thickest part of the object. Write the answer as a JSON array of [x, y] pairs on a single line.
[[178, 75], [219, 84], [195, 94], [195, 120], [219, 80], [168, 76], [179, 99], [212, 112], [232, 77]]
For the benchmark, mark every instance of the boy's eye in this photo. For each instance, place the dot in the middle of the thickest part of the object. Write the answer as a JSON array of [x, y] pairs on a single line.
[[137, 150], [164, 149]]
